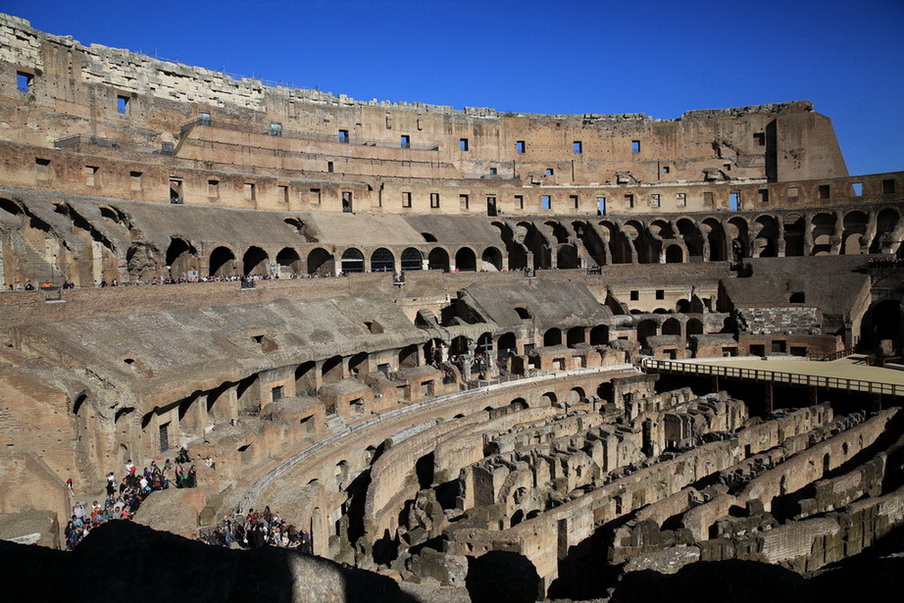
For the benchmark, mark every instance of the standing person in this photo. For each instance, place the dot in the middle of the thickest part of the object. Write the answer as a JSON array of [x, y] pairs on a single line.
[[111, 484]]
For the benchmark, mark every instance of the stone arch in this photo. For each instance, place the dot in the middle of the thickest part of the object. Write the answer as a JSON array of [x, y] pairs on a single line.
[[331, 370], [141, 262], [795, 235], [288, 262], [356, 363], [738, 233], [646, 328], [491, 259], [321, 262], [412, 259], [823, 233], [382, 260], [853, 236], [465, 260], [765, 243], [567, 257], [619, 246], [519, 404], [222, 262], [715, 236], [408, 356], [886, 225], [352, 260], [694, 327], [254, 262], [181, 257], [671, 326], [693, 239], [552, 336], [549, 399], [593, 243], [517, 257], [438, 259], [575, 336], [507, 344], [674, 254], [599, 335], [533, 240]]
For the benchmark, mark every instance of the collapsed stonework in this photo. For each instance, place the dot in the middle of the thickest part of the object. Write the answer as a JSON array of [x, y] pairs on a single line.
[[430, 336]]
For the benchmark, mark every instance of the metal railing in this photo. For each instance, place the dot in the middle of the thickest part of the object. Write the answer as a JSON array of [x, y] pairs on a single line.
[[833, 356], [733, 372]]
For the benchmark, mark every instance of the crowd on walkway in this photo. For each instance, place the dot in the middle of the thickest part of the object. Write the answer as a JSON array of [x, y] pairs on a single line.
[[133, 489], [256, 529]]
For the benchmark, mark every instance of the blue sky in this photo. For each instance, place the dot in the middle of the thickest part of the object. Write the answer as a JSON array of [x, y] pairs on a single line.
[[654, 57]]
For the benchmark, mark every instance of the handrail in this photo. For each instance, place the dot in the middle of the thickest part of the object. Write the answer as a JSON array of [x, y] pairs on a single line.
[[858, 385], [833, 356]]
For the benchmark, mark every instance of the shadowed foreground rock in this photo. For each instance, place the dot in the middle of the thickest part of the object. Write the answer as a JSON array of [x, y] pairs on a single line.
[[121, 558]]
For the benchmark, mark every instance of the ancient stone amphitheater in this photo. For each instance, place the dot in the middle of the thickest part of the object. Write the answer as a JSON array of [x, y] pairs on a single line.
[[599, 343]]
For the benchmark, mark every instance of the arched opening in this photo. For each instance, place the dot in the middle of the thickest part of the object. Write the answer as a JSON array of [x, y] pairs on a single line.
[[882, 321], [255, 262], [181, 258], [438, 259], [507, 347], [222, 262], [694, 327], [519, 404], [321, 262], [306, 379], [458, 346], [549, 399], [357, 364], [854, 235], [331, 370], [886, 225], [766, 240], [715, 236], [737, 233], [575, 336], [567, 257], [382, 260], [674, 254], [408, 357], [599, 335], [491, 259], [823, 231], [288, 262], [552, 337], [693, 240], [646, 328], [465, 260], [794, 235], [412, 259], [671, 327], [352, 261], [798, 297]]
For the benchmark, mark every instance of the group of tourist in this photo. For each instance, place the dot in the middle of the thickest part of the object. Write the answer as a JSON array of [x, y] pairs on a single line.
[[256, 529], [133, 489]]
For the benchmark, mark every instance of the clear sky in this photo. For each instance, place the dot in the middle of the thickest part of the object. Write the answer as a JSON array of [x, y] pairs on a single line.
[[605, 56]]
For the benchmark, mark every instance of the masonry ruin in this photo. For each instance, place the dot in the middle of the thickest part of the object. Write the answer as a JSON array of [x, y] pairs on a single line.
[[429, 334]]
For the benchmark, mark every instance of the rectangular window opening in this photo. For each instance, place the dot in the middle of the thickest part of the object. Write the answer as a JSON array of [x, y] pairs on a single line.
[[888, 186], [764, 195], [277, 393], [405, 141], [601, 206], [315, 196], [635, 146], [519, 201], [734, 201], [135, 181], [491, 206], [825, 191], [250, 191], [494, 171], [708, 200], [550, 171], [329, 167], [42, 166], [578, 147], [655, 200], [175, 190], [406, 199], [463, 144], [213, 189], [575, 201], [343, 136], [122, 103], [434, 200], [275, 128], [660, 294], [283, 193], [792, 192], [347, 202], [520, 147], [629, 200], [759, 138], [463, 202], [858, 189], [546, 202], [203, 118], [635, 295], [666, 169], [90, 175], [681, 199], [24, 81]]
